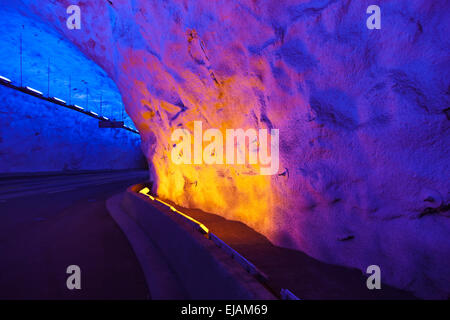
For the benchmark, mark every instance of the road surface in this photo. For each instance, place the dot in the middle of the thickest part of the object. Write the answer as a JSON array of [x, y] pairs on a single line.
[[51, 222]]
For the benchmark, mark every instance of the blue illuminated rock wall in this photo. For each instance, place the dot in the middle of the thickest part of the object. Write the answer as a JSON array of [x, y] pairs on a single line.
[[40, 136]]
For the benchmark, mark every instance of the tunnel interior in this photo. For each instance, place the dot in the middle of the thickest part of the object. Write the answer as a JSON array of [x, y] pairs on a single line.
[[352, 122], [39, 136]]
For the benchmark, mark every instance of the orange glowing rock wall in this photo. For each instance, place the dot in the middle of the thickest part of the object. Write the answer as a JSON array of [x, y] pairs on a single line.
[[364, 141]]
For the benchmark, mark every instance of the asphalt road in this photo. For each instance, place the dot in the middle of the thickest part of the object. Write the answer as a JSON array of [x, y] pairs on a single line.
[[49, 223]]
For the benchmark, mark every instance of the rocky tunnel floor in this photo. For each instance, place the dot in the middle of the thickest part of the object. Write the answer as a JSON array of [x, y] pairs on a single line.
[[306, 277]]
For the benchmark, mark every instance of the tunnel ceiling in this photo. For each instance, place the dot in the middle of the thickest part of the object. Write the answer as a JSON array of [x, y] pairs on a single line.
[[363, 139]]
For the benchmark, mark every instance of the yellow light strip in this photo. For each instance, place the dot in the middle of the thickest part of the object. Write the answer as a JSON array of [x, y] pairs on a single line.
[[250, 267], [145, 191]]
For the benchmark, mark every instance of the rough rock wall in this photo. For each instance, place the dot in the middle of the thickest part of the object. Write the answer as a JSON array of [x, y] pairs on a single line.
[[364, 141], [38, 136], [55, 66]]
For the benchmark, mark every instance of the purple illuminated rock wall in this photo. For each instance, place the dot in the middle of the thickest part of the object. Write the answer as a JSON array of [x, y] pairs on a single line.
[[364, 140]]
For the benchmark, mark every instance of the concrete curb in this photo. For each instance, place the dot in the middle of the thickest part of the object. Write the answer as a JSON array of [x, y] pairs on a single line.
[[202, 268], [161, 281]]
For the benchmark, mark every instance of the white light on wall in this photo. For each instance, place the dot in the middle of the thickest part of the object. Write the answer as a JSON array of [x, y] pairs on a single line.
[[105, 118], [95, 114], [78, 107], [5, 79], [58, 99], [34, 90]]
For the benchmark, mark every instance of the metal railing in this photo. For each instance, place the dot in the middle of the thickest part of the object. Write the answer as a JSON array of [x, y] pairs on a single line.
[[38, 94], [285, 294]]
